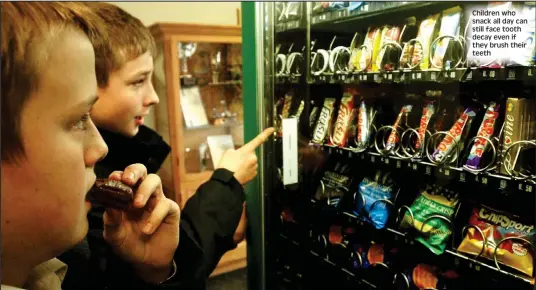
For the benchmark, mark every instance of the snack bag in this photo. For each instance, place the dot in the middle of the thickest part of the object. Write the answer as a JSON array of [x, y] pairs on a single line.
[[425, 276], [369, 192], [496, 226], [366, 256], [334, 181], [432, 202]]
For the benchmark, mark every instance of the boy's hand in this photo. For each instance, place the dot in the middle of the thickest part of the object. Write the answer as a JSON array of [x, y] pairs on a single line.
[[147, 234], [243, 161]]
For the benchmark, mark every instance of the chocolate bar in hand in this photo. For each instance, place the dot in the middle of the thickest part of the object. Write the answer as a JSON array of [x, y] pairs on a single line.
[[112, 193]]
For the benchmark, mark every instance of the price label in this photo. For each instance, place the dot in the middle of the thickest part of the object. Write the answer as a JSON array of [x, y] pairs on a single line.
[[428, 170], [462, 177], [414, 167], [386, 161], [433, 76], [503, 184], [376, 77], [398, 164], [528, 188], [343, 77], [492, 74], [447, 172], [511, 74], [485, 74], [520, 187], [390, 77], [419, 76], [529, 72], [373, 159], [484, 180], [470, 75], [452, 74]]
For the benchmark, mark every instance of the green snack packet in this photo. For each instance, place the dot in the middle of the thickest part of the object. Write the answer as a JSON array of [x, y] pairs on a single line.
[[432, 202]]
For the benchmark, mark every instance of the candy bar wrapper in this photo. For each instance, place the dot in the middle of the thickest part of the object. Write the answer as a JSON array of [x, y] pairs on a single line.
[[313, 117], [364, 56], [434, 200], [352, 127], [299, 111], [487, 129], [393, 137], [378, 40], [391, 34], [425, 35], [364, 122], [450, 25], [518, 113], [287, 103], [324, 121], [457, 131], [340, 130], [427, 113], [496, 226]]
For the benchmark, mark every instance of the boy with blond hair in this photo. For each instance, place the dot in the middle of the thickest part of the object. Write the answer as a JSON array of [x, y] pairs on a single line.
[[50, 147]]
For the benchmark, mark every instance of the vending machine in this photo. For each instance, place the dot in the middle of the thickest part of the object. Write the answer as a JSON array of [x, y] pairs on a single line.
[[405, 148]]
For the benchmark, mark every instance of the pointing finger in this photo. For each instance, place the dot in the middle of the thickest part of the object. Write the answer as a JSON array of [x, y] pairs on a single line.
[[257, 141]]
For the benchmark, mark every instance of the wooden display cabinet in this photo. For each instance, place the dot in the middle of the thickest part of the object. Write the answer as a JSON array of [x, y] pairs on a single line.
[[198, 78]]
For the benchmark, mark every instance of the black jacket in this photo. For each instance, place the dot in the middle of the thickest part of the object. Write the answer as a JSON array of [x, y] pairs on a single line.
[[207, 225]]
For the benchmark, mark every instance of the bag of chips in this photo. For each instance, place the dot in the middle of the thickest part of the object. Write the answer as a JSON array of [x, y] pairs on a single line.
[[372, 199], [432, 202], [495, 227], [334, 184]]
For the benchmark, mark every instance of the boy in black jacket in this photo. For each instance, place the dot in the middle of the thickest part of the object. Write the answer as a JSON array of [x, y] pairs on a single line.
[[209, 220]]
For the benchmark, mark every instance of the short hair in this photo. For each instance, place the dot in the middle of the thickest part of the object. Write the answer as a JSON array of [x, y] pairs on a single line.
[[26, 28], [130, 39]]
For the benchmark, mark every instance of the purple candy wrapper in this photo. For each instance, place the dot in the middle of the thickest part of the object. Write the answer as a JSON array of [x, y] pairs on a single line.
[[486, 130]]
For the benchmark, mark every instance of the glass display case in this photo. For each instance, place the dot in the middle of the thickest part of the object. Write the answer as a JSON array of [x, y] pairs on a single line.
[[405, 155], [198, 78]]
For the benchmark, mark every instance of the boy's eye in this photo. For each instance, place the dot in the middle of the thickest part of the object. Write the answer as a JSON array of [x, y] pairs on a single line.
[[82, 123], [138, 83]]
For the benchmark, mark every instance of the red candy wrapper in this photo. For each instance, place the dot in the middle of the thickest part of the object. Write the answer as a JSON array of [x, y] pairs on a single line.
[[393, 137], [324, 121], [486, 129], [449, 143], [427, 113], [340, 130]]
